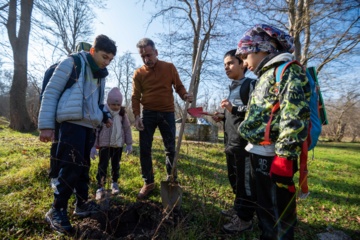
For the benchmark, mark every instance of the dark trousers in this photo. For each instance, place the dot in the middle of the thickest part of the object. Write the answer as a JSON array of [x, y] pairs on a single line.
[[106, 153], [166, 123], [242, 182], [54, 166], [73, 154], [276, 205]]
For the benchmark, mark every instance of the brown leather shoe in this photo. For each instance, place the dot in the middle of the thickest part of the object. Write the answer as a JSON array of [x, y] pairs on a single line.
[[146, 190]]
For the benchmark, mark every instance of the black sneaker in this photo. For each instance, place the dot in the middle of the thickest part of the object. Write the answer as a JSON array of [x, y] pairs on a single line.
[[58, 220], [86, 209]]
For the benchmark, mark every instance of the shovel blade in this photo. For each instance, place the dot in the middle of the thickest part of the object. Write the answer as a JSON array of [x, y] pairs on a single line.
[[171, 195], [196, 112]]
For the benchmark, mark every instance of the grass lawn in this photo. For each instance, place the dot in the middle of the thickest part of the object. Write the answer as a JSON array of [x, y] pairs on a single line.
[[25, 194]]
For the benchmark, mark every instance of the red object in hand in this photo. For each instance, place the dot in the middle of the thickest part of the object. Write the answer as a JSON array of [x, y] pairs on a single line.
[[198, 112], [282, 167], [281, 172]]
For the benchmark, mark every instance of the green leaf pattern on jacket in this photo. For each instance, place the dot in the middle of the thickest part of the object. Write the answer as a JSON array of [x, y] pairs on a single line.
[[289, 124]]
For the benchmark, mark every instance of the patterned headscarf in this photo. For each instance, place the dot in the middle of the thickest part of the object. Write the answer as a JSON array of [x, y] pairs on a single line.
[[257, 39]]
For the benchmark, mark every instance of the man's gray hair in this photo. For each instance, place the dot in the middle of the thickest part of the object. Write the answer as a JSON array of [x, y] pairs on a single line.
[[146, 42]]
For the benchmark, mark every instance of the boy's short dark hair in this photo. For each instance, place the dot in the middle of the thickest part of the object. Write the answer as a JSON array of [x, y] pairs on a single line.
[[231, 53], [144, 42], [104, 43]]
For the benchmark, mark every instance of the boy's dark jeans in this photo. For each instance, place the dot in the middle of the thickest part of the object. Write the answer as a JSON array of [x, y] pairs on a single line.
[[54, 163], [276, 205], [106, 153], [166, 123], [242, 182], [73, 153]]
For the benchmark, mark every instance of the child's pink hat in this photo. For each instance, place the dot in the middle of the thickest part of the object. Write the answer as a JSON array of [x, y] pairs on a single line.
[[114, 96]]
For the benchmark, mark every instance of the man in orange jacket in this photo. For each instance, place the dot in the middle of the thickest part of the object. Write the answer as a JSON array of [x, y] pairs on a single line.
[[153, 85]]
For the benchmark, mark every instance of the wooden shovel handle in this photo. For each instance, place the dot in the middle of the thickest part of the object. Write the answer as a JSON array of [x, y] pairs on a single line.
[[181, 131]]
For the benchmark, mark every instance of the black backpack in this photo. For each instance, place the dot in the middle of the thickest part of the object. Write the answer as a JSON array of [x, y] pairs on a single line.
[[73, 77], [245, 89]]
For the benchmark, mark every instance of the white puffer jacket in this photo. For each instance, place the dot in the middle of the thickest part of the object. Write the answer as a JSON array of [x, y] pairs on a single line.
[[78, 104]]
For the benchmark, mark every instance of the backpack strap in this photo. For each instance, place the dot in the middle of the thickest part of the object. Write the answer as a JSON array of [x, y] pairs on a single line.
[[267, 140], [279, 72], [48, 73], [75, 71], [122, 113], [245, 90], [303, 171], [77, 63], [72, 78], [322, 111]]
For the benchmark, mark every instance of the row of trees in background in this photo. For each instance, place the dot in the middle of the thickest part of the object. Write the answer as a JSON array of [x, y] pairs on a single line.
[[324, 31], [326, 34], [343, 115]]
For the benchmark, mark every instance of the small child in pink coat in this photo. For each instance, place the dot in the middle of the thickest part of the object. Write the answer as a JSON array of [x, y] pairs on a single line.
[[110, 140]]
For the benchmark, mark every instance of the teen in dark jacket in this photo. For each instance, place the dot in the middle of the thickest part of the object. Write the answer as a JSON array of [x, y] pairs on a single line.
[[237, 159]]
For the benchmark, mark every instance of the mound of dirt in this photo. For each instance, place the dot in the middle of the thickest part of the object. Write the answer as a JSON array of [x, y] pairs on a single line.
[[138, 221]]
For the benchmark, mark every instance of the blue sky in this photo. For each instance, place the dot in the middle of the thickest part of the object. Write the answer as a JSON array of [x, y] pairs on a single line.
[[126, 23]]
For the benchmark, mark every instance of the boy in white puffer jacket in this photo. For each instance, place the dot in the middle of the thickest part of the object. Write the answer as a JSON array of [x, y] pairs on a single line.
[[110, 141], [78, 110]]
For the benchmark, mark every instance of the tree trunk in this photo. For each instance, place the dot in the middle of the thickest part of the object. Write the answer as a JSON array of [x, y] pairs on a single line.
[[340, 130], [19, 116]]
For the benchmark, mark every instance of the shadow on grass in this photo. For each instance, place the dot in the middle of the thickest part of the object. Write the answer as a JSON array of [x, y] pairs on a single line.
[[337, 186]]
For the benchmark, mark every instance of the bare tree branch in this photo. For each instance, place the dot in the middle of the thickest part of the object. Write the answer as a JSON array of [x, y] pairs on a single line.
[[191, 21]]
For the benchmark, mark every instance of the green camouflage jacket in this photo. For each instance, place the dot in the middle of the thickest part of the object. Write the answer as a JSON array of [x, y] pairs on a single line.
[[289, 125]]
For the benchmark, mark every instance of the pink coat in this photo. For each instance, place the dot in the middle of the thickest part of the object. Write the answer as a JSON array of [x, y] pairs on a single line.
[[103, 134]]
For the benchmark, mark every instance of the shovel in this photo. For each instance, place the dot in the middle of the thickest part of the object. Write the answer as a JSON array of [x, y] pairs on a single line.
[[198, 112], [171, 191]]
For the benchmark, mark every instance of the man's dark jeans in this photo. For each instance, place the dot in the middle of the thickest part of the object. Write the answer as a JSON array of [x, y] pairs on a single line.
[[166, 123]]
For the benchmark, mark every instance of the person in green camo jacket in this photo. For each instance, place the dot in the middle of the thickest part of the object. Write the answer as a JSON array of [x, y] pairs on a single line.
[[263, 48]]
